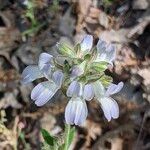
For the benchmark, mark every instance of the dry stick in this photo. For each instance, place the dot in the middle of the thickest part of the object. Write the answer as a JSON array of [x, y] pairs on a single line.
[[146, 114]]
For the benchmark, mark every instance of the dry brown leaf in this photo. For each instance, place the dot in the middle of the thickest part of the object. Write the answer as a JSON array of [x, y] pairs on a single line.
[[93, 131], [117, 144], [145, 74], [9, 34], [9, 99], [8, 75]]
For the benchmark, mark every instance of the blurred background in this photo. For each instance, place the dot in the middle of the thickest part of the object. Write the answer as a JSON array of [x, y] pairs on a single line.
[[29, 27]]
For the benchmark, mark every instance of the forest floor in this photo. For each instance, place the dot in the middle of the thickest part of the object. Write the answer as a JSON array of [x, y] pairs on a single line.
[[123, 22]]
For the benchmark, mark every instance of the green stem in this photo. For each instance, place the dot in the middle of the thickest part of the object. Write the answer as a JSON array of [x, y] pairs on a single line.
[[67, 137]]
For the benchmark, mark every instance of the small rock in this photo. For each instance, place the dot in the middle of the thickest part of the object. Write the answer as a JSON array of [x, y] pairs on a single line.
[[140, 4]]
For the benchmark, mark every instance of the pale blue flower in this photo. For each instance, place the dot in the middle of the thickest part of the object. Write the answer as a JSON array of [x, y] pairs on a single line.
[[105, 52], [31, 73], [43, 69], [77, 89], [46, 63], [108, 104], [79, 72], [44, 91], [76, 110], [86, 44]]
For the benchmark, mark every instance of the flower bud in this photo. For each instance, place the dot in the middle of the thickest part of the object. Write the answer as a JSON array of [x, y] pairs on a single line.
[[65, 50]]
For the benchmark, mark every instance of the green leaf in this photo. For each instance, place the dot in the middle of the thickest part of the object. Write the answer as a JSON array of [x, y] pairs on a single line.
[[48, 138], [99, 66], [61, 147], [87, 57]]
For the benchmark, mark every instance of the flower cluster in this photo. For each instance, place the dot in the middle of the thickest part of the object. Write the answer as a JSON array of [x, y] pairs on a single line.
[[79, 72]]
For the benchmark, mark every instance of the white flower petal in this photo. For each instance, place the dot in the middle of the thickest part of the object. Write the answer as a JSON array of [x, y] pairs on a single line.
[[113, 89], [87, 43], [58, 77], [111, 53], [25, 2], [76, 71], [76, 111], [99, 89], [109, 107], [45, 61], [114, 109], [81, 113], [106, 52], [88, 93], [80, 94], [43, 92], [73, 89], [101, 46], [30, 73], [70, 111]]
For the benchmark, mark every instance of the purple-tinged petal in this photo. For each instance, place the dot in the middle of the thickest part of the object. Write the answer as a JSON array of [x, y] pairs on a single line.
[[81, 113], [58, 77], [99, 89], [106, 52], [31, 73], [43, 92], [87, 43], [114, 109], [109, 107], [113, 89], [111, 53], [45, 61], [73, 89], [70, 112], [80, 94], [88, 93], [76, 111], [101, 46], [76, 71]]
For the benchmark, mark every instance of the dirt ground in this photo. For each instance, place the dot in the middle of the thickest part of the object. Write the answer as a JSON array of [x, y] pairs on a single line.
[[123, 22]]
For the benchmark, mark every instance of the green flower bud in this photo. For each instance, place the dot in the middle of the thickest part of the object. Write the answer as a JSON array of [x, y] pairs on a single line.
[[66, 50]]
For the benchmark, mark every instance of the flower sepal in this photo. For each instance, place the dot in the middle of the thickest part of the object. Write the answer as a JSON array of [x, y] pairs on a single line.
[[106, 80], [65, 50], [92, 78], [66, 67], [99, 66]]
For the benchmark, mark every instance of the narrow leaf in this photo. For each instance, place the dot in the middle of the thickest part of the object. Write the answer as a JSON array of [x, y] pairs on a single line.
[[48, 138]]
